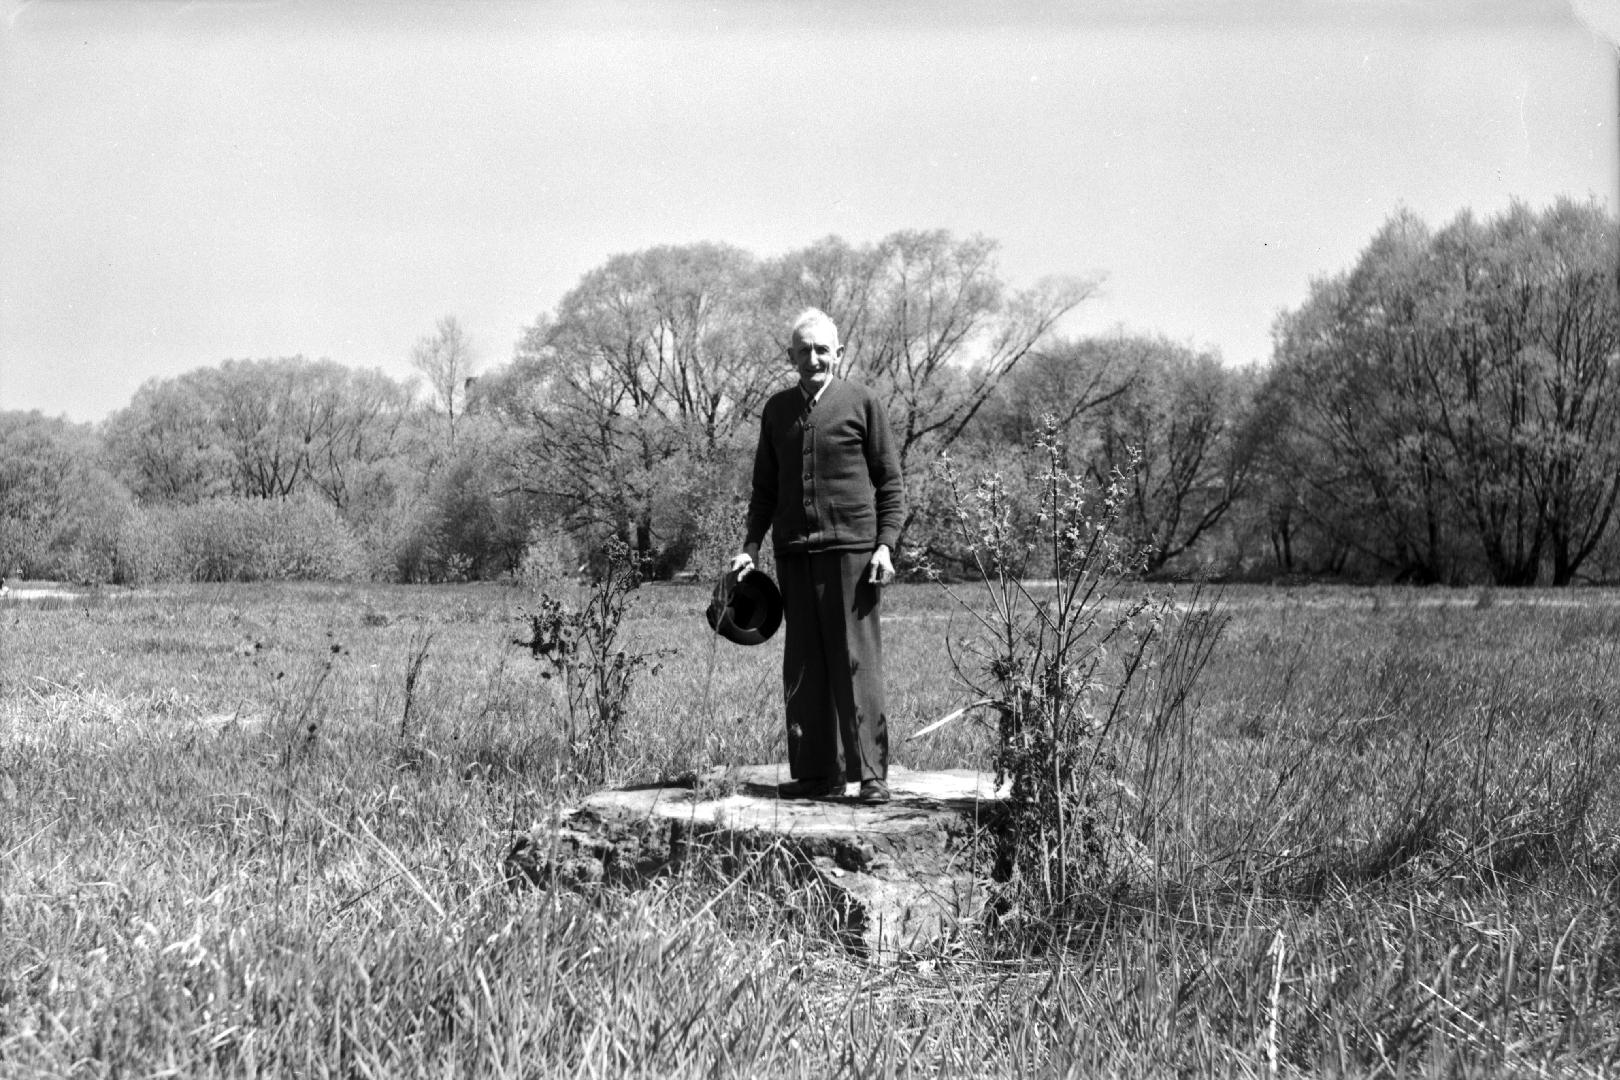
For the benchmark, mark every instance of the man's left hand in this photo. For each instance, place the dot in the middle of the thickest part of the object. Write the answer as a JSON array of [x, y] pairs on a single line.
[[881, 569]]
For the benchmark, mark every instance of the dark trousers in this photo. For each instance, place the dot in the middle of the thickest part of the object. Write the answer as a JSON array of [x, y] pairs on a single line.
[[832, 667]]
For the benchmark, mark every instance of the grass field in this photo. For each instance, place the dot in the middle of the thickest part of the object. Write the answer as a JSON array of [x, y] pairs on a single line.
[[232, 843]]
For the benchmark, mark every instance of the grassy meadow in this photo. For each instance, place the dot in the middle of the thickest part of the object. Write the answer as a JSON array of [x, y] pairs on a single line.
[[256, 830]]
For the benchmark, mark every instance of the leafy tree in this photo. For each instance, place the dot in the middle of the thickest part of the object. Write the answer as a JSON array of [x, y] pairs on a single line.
[[1565, 275], [1068, 381], [650, 373], [1460, 386], [259, 429], [1349, 389], [1303, 525], [353, 422], [60, 511], [165, 444], [471, 522], [1178, 435], [1468, 349]]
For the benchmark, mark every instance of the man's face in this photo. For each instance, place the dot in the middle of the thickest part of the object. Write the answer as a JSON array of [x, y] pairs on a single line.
[[815, 353]]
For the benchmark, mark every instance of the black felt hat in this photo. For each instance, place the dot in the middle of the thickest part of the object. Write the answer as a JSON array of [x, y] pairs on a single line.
[[746, 610]]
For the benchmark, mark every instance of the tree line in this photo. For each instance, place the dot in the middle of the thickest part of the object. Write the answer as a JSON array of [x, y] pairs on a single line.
[[1446, 410]]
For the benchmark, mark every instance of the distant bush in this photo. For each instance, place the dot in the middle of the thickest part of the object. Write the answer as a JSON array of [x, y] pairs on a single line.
[[394, 537], [551, 557], [462, 527], [235, 539], [144, 546]]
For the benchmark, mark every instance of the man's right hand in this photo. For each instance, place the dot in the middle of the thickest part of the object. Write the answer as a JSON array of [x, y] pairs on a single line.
[[742, 563]]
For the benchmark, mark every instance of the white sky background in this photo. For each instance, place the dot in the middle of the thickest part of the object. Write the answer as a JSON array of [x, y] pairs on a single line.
[[182, 183]]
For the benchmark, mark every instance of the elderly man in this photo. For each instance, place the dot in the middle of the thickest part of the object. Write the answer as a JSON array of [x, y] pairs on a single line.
[[827, 487]]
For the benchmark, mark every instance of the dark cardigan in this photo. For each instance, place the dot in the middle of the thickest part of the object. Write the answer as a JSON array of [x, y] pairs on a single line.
[[827, 478]]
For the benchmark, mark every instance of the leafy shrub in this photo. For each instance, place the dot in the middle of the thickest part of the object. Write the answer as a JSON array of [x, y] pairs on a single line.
[[235, 539], [145, 549], [463, 527], [384, 514], [477, 533], [550, 558], [1079, 679], [579, 640]]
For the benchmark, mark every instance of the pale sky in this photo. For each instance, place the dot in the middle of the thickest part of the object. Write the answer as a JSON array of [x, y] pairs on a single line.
[[182, 183]]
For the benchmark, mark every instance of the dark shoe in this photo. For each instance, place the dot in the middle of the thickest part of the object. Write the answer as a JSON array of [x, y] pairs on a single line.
[[822, 787], [874, 792]]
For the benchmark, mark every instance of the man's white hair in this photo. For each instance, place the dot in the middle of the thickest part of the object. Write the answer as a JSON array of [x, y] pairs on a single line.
[[814, 317]]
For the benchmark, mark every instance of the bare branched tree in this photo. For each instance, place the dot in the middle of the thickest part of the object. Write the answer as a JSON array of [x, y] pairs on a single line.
[[446, 359]]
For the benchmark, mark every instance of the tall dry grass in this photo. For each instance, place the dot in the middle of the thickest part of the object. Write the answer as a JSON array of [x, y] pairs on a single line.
[[1386, 839]]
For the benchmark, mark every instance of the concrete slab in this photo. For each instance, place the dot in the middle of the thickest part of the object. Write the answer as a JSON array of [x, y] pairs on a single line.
[[746, 798], [898, 877]]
